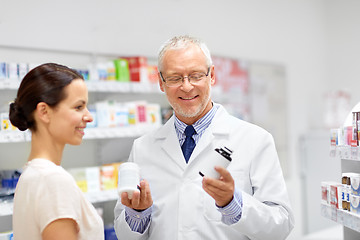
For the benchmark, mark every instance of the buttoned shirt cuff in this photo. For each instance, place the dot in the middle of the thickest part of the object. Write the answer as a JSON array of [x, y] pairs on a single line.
[[138, 221], [231, 213]]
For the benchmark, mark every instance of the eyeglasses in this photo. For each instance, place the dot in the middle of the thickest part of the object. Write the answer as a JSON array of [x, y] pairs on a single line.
[[193, 78]]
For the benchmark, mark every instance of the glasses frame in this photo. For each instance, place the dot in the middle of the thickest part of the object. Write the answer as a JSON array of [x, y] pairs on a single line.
[[183, 78]]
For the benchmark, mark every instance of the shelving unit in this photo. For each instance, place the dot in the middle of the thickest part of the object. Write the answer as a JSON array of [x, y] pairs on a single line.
[[91, 152], [90, 133], [94, 197], [107, 145], [343, 217], [98, 86], [350, 162]]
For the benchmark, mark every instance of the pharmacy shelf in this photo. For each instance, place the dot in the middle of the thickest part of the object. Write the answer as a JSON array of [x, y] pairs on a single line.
[[98, 86], [99, 90], [350, 162], [9, 84], [103, 196], [125, 87], [345, 152], [13, 136], [6, 208], [119, 132], [345, 218]]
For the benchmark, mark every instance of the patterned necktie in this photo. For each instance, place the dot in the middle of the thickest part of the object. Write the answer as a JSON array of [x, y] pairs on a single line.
[[189, 143]]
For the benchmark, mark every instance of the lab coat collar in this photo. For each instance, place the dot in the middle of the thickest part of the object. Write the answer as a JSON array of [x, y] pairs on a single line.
[[169, 142], [219, 127]]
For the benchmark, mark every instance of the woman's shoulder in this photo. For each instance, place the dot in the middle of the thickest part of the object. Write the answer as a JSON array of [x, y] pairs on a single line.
[[45, 171]]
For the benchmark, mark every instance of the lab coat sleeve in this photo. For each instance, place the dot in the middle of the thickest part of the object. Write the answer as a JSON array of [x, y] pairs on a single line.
[[272, 221], [122, 228], [266, 212]]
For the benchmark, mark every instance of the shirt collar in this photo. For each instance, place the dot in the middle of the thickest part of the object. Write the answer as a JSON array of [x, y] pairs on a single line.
[[200, 125]]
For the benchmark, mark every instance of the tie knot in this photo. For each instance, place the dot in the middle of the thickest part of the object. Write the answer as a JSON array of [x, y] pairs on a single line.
[[189, 131]]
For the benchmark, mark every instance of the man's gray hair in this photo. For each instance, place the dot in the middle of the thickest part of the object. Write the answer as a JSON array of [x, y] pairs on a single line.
[[179, 42]]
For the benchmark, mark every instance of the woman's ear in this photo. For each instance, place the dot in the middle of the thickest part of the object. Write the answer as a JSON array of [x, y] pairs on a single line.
[[43, 112]]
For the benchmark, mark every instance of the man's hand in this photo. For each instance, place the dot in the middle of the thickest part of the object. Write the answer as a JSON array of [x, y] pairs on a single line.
[[222, 190], [141, 200]]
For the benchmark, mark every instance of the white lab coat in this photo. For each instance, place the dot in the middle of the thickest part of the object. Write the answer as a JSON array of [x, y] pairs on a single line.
[[182, 210]]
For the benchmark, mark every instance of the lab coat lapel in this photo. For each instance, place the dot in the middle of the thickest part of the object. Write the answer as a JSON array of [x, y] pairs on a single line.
[[217, 130], [170, 143], [206, 139]]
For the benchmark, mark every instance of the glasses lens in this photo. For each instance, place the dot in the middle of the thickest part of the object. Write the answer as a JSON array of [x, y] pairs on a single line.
[[196, 77], [193, 78], [173, 81]]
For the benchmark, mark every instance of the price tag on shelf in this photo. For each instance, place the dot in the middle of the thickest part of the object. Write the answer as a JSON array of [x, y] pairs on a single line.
[[17, 136], [354, 153], [349, 220], [93, 197], [6, 136], [140, 87], [108, 86], [110, 195], [122, 87], [102, 196], [6, 208], [333, 214], [346, 152], [333, 151], [12, 136], [27, 135], [357, 223], [340, 215], [9, 84]]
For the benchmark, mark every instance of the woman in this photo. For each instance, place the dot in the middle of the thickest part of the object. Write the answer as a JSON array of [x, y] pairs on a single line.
[[52, 102]]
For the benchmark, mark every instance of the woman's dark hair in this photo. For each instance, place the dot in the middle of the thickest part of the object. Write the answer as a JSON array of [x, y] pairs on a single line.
[[44, 83]]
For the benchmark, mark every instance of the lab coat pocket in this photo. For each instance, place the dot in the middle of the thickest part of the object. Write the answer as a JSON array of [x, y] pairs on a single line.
[[210, 210], [189, 205], [242, 180]]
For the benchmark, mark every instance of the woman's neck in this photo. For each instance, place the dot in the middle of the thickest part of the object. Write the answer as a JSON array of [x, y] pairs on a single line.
[[43, 146]]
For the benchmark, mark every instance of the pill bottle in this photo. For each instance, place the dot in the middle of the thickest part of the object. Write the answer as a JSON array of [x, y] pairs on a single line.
[[129, 178], [218, 157]]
